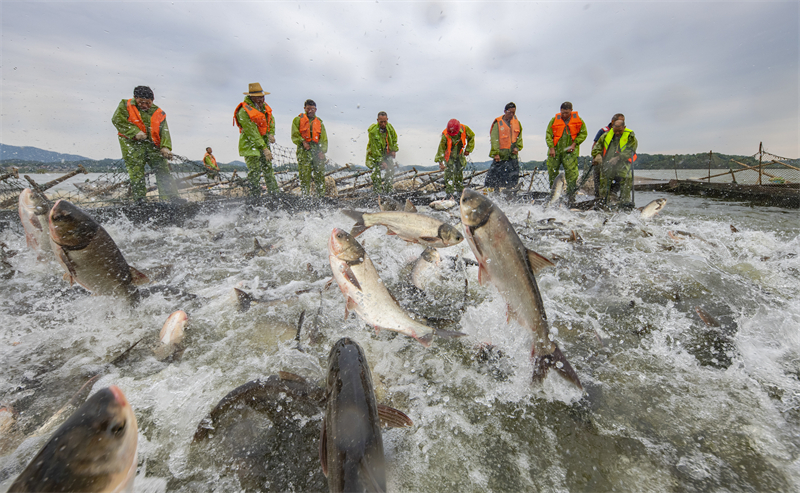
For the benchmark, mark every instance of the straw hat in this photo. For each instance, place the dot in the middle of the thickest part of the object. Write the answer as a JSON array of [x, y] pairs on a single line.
[[254, 89]]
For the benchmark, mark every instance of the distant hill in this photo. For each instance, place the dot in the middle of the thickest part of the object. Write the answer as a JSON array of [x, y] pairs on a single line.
[[8, 152]]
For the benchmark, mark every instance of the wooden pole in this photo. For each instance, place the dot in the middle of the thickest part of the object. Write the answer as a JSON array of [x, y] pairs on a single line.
[[52, 183], [709, 166], [760, 154], [42, 188]]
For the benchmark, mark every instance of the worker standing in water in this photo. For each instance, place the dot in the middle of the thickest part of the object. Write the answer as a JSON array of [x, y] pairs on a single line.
[[308, 132], [256, 132], [210, 162], [506, 137], [144, 140], [565, 132], [381, 151], [455, 145], [615, 152]]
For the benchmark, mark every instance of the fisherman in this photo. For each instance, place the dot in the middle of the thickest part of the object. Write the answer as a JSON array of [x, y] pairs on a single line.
[[506, 137], [308, 132], [256, 132], [455, 145], [615, 152], [596, 169], [564, 147], [144, 139], [381, 151], [210, 163]]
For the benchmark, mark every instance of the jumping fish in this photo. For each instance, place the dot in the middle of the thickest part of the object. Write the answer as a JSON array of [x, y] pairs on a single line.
[[506, 263], [89, 255], [411, 227], [557, 190], [653, 208], [33, 215], [426, 269], [94, 450], [443, 205], [351, 445], [366, 293]]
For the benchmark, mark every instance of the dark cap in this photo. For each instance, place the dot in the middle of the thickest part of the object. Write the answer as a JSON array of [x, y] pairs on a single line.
[[143, 92]]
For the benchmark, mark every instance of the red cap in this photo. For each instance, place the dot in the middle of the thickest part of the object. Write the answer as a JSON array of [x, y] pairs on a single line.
[[453, 127]]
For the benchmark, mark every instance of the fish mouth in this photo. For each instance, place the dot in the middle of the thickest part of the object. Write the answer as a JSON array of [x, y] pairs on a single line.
[[333, 244]]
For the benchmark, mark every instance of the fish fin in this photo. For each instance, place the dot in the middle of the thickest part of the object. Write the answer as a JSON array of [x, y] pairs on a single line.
[[300, 325], [323, 448], [541, 364], [292, 377], [483, 275], [256, 245], [448, 334], [538, 262], [377, 329], [350, 305], [138, 277], [62, 255], [430, 239], [393, 418], [243, 299], [410, 207], [359, 227], [390, 232], [351, 277], [426, 339]]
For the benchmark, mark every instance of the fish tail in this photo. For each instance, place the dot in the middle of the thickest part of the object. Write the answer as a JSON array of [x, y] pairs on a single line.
[[243, 299], [359, 227], [426, 339], [557, 360], [448, 334]]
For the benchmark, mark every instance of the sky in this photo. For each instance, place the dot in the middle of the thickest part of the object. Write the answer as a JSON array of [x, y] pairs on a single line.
[[690, 77]]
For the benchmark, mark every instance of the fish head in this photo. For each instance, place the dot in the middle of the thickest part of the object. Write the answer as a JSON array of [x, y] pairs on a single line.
[[661, 203], [172, 331], [450, 235], [70, 226], [346, 357], [475, 208], [101, 435], [431, 255], [345, 247]]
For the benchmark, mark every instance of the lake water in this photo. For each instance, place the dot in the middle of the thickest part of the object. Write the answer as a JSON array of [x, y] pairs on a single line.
[[671, 404]]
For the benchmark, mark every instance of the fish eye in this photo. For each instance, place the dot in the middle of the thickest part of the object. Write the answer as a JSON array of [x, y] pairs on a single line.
[[117, 428]]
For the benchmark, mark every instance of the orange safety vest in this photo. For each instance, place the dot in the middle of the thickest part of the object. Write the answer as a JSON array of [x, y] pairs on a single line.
[[508, 134], [213, 161], [450, 143], [261, 120], [311, 131], [574, 124], [155, 121]]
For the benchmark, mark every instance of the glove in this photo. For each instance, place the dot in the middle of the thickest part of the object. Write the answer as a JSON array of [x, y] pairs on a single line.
[[597, 160], [166, 153], [267, 154], [140, 136], [271, 139]]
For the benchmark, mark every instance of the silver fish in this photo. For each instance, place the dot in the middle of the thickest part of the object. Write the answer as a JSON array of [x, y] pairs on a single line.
[[33, 215], [557, 190], [506, 263], [653, 208], [411, 227], [366, 293]]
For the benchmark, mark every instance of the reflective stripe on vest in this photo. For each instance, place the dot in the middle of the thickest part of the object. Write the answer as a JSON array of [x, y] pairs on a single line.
[[574, 124], [310, 131], [507, 134], [450, 143], [213, 161], [623, 142], [258, 117], [155, 122]]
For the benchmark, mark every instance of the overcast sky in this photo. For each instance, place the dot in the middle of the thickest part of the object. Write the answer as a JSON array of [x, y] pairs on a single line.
[[690, 77]]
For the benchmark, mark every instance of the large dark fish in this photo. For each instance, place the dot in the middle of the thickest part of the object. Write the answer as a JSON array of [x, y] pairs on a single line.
[[94, 450], [89, 255], [506, 263], [351, 446]]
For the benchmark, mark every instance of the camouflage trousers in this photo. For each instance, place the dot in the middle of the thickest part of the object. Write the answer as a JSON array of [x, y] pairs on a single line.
[[310, 166], [454, 175], [569, 160], [140, 154], [257, 166], [616, 182], [382, 184]]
